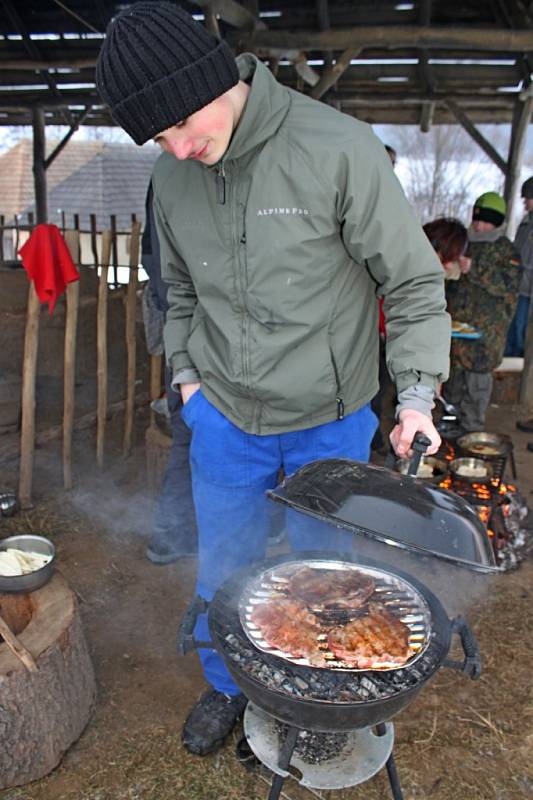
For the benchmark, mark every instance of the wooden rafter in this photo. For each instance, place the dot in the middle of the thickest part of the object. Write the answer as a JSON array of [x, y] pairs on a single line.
[[32, 49], [231, 12], [399, 36], [476, 135], [333, 73], [80, 119]]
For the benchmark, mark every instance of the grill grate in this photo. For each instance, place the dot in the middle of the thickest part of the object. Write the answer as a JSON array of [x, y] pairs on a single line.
[[398, 596]]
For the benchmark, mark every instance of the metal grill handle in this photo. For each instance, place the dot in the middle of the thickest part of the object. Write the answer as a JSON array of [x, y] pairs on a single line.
[[421, 442], [185, 640], [471, 665]]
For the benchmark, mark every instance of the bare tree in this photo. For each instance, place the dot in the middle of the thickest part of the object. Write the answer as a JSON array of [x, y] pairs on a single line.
[[442, 171]]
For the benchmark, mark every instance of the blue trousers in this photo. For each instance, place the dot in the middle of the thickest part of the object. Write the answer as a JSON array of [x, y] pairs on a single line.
[[516, 336], [231, 471]]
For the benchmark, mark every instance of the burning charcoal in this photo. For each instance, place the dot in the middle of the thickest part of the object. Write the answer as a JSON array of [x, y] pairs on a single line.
[[314, 747], [277, 678], [301, 684]]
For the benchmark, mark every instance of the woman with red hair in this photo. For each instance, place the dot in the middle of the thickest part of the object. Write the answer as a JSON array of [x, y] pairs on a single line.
[[449, 238]]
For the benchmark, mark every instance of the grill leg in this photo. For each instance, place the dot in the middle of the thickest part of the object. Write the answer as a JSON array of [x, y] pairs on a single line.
[[394, 779], [284, 760], [391, 769], [513, 465]]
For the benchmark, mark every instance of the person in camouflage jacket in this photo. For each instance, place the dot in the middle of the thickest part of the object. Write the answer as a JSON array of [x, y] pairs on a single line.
[[485, 298]]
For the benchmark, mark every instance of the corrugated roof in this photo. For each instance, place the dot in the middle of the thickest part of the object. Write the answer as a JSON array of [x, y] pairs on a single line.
[[113, 182], [86, 178], [16, 177]]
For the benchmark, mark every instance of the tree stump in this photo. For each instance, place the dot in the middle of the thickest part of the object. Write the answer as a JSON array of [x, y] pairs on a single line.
[[42, 713]]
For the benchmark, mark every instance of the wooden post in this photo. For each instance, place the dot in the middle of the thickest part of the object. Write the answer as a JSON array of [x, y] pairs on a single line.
[[114, 244], [72, 239], [521, 120], [39, 168], [131, 313], [101, 349], [29, 370], [31, 337]]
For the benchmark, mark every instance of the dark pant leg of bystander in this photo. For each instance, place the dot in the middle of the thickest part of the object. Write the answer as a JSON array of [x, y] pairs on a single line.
[[174, 533], [470, 393]]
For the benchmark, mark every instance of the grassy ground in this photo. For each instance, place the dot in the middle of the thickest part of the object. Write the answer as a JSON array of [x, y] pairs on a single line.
[[460, 740]]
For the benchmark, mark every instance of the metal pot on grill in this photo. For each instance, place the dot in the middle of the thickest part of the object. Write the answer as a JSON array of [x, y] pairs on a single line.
[[471, 470], [485, 445], [429, 469]]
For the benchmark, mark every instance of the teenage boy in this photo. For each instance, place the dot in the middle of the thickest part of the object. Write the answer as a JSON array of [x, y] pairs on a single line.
[[280, 220], [485, 297]]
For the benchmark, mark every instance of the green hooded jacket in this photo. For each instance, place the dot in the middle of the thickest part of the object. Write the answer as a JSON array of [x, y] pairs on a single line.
[[275, 258]]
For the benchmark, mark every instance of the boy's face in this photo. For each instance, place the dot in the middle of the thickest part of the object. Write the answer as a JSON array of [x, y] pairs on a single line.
[[204, 136], [528, 203], [480, 226]]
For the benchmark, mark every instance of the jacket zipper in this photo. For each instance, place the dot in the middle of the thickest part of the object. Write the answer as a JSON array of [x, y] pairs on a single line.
[[338, 400], [221, 183]]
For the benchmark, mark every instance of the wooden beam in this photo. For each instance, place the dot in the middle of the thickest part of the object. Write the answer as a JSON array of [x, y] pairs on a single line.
[[72, 239], [395, 36], [426, 117], [39, 169], [332, 75], [478, 137], [211, 21], [101, 350], [521, 120], [230, 11], [79, 121], [131, 315], [31, 336], [29, 372]]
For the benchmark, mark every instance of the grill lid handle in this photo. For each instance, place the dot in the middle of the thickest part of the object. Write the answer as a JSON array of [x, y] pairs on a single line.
[[471, 665], [421, 442]]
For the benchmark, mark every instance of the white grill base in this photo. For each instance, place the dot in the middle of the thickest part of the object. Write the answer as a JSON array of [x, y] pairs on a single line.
[[362, 757]]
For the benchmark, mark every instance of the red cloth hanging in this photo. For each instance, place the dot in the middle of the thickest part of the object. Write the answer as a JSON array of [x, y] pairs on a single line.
[[47, 260]]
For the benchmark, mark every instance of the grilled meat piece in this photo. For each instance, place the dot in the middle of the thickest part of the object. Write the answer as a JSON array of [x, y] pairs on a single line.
[[288, 626], [368, 642], [330, 588]]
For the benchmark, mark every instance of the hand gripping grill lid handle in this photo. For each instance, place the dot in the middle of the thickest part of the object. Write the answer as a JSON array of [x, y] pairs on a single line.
[[419, 446]]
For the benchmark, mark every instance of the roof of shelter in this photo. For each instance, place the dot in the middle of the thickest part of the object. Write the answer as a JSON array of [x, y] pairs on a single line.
[[85, 178], [385, 61], [16, 177]]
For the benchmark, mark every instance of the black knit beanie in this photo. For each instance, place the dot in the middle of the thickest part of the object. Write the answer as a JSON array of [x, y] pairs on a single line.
[[158, 66], [527, 189]]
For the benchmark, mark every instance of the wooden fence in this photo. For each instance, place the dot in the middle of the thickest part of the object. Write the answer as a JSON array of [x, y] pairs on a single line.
[[102, 262]]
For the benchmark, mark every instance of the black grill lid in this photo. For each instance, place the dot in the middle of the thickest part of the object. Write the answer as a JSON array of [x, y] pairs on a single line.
[[397, 510]]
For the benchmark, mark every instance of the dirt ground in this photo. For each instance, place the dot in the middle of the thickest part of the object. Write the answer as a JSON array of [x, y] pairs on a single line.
[[460, 740]]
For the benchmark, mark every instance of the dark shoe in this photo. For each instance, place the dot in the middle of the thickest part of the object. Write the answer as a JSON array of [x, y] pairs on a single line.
[[530, 447], [160, 551], [211, 721], [525, 425]]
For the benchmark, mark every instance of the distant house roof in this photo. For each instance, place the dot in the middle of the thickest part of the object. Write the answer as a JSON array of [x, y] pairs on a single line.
[[85, 178]]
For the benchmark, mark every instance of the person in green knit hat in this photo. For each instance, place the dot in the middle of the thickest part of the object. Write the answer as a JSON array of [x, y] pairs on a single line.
[[485, 298]]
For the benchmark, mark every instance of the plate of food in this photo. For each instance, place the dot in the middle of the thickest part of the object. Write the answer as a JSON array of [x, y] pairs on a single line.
[[463, 330], [335, 615]]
